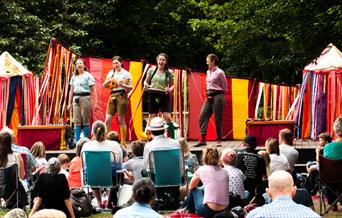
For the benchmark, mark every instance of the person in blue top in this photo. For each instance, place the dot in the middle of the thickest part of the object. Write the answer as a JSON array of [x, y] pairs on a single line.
[[281, 189], [144, 194], [80, 99]]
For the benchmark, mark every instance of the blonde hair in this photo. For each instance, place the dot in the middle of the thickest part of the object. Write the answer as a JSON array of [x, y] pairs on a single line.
[[184, 145], [272, 146], [228, 156], [63, 158], [38, 149], [211, 156], [99, 130]]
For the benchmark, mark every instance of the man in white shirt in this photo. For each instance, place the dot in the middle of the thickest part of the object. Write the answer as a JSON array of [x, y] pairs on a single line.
[[286, 148]]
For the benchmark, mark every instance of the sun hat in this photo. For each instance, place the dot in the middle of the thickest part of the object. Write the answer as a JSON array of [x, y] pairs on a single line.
[[157, 123]]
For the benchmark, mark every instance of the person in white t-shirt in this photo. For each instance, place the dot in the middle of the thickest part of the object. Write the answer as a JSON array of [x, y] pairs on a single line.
[[119, 81], [278, 161]]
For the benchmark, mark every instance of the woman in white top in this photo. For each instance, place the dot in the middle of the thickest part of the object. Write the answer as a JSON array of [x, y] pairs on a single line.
[[7, 156], [278, 160]]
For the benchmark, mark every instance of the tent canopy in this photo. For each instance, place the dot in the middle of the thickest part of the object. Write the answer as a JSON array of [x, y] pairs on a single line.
[[330, 59], [10, 67]]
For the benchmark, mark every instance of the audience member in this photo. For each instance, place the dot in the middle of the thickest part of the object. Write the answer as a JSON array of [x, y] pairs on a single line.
[[216, 187], [281, 190], [236, 176], [64, 160], [136, 163], [190, 159], [114, 136], [312, 167], [333, 151], [252, 165], [266, 156], [278, 161], [99, 143], [7, 156], [285, 148], [52, 190], [75, 166], [38, 151], [144, 194]]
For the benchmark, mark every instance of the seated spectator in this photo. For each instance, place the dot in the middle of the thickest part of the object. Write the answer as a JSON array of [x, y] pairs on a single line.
[[52, 190], [253, 167], [312, 167], [333, 151], [75, 166], [236, 176], [114, 136], [216, 187], [278, 161], [30, 160], [7, 156], [38, 151], [190, 163], [266, 156], [64, 160], [144, 194], [286, 148], [99, 143], [136, 163], [281, 190]]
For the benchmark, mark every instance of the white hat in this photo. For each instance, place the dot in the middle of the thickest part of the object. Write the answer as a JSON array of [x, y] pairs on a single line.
[[156, 124]]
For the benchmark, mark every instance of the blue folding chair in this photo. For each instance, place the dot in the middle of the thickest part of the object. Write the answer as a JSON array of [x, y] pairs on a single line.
[[167, 170], [97, 169]]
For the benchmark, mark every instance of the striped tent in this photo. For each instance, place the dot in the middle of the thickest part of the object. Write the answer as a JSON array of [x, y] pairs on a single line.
[[319, 101], [16, 93]]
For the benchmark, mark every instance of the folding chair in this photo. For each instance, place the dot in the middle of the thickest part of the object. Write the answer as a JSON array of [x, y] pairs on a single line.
[[97, 170], [167, 170], [331, 178], [9, 186]]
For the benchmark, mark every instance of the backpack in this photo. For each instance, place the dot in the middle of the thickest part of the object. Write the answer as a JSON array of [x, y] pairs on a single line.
[[81, 203]]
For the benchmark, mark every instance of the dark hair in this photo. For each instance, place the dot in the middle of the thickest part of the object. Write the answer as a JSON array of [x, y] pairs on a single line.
[[211, 156], [273, 146], [250, 141], [5, 147], [325, 136], [118, 58], [214, 58], [144, 191], [158, 132], [287, 136], [85, 68], [166, 68], [113, 136], [99, 131], [138, 148]]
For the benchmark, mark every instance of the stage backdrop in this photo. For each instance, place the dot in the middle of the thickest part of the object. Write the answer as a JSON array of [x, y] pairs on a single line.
[[240, 103]]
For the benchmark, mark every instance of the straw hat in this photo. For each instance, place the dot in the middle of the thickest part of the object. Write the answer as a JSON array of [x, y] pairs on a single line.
[[156, 124]]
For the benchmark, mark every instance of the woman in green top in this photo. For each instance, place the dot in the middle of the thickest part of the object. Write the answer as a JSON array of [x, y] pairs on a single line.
[[159, 81]]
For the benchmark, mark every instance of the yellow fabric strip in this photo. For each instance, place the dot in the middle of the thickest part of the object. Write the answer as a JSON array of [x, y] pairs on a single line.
[[240, 107], [136, 70], [63, 144]]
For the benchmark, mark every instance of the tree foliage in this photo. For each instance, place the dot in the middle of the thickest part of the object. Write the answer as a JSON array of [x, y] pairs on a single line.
[[268, 40]]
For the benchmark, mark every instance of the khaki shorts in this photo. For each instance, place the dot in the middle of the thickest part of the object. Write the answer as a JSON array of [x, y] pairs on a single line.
[[82, 110], [117, 103]]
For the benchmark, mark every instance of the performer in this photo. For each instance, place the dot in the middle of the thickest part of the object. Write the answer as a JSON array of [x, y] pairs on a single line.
[[214, 103], [119, 81], [159, 82], [82, 86]]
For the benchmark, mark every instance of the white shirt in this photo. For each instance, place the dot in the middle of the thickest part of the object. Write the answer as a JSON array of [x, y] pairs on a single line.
[[236, 179], [106, 145], [278, 162], [290, 153]]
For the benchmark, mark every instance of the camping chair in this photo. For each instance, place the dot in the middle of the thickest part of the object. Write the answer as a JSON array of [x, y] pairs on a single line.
[[167, 170], [97, 170], [331, 178], [9, 186]]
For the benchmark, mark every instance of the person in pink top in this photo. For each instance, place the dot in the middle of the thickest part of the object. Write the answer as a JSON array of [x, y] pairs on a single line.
[[216, 187], [214, 103]]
